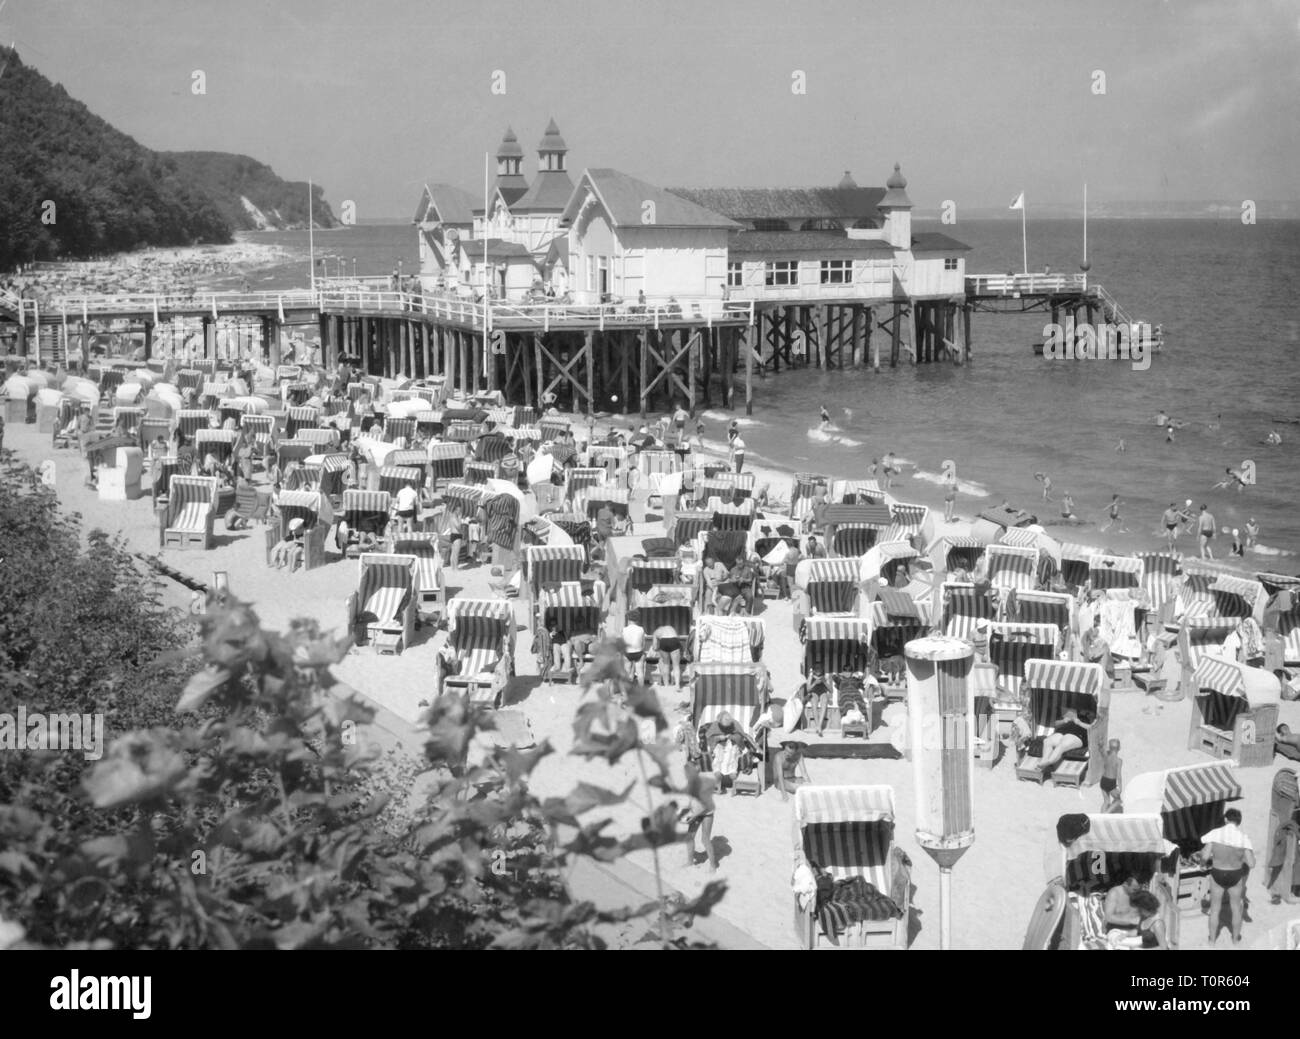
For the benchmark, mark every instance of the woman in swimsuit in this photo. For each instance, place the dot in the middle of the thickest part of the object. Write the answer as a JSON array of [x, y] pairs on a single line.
[[1068, 735], [1150, 928]]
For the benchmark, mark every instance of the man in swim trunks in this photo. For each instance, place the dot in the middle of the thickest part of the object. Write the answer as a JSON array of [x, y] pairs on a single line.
[[1252, 533], [1067, 507], [1172, 519], [1118, 908], [1113, 511], [1230, 856], [1205, 528], [1112, 769], [826, 417]]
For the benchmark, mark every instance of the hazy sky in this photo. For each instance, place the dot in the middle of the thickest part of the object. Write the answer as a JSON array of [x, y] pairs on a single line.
[[977, 100]]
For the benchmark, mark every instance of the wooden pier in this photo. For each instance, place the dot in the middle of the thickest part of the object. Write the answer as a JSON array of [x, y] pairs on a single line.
[[611, 357]]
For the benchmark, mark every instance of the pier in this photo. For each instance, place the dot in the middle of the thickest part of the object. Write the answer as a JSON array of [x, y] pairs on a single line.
[[612, 356]]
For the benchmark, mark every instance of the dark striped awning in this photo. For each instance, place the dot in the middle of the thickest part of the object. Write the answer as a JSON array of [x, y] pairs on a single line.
[[1064, 676], [1142, 834], [875, 516], [1200, 784], [836, 629], [1221, 676]]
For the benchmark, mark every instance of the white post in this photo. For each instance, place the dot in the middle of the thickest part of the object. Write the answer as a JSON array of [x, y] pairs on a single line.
[[311, 239], [1024, 238]]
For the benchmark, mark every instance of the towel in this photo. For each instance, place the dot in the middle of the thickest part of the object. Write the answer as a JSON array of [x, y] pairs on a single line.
[[724, 640], [804, 886], [1117, 628], [854, 900]]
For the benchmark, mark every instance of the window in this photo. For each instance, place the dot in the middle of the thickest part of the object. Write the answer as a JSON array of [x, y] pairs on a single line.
[[950, 263], [837, 272], [735, 275], [591, 274], [781, 272], [769, 224]]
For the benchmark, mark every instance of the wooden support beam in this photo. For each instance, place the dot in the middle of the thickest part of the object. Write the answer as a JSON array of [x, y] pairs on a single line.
[[645, 347], [692, 360], [750, 338], [591, 375], [895, 333]]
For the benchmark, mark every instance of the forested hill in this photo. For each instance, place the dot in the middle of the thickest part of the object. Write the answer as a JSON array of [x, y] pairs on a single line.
[[249, 194], [71, 185]]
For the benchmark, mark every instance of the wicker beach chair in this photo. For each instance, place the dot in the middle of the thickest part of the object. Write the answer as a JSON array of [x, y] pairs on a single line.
[[191, 512], [478, 659], [382, 609]]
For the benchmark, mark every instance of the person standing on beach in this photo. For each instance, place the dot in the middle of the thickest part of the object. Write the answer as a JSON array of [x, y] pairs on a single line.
[[1113, 511], [738, 452], [1252, 533], [949, 500], [890, 466], [1230, 857], [1205, 528], [1046, 481], [1172, 519], [1067, 507]]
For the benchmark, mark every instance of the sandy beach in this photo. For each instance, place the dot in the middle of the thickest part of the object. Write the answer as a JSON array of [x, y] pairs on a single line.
[[995, 885]]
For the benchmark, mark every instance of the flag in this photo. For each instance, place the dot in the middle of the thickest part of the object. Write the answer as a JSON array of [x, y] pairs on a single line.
[[279, 303], [214, 306], [155, 310], [1018, 202]]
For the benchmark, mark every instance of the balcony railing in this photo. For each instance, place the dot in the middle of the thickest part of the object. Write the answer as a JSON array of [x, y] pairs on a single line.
[[1011, 284]]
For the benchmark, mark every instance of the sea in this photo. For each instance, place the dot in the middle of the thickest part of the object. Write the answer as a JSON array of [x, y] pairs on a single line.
[[1226, 294]]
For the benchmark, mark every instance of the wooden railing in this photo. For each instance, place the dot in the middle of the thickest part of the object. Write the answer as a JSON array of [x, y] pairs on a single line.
[[1009, 284], [339, 295]]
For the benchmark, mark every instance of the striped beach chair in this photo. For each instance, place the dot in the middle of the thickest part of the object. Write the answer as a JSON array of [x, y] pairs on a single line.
[[237, 407], [1074, 564], [191, 512], [480, 472], [1274, 583], [300, 417], [847, 832], [287, 451], [129, 418], [1054, 686], [446, 462], [896, 620], [288, 373], [737, 690], [1012, 644], [396, 428], [392, 478], [658, 463], [577, 479], [1107, 573], [646, 573], [552, 429], [212, 393], [577, 527], [831, 584], [477, 661], [411, 459], [190, 420], [731, 515], [688, 525], [220, 443], [1162, 575], [610, 458], [573, 612], [295, 394], [163, 471], [461, 430], [189, 379], [895, 555], [323, 438], [1288, 626], [362, 512], [963, 607], [855, 492], [1107, 849], [502, 514], [464, 497], [430, 583], [729, 640], [802, 491], [666, 606], [552, 564], [1234, 711], [1012, 566], [837, 645], [317, 516], [1237, 597], [905, 522], [1038, 607], [382, 609], [259, 427], [1194, 597]]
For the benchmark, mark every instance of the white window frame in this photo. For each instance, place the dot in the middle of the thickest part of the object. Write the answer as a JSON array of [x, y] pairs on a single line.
[[780, 273], [951, 263], [836, 272], [735, 274]]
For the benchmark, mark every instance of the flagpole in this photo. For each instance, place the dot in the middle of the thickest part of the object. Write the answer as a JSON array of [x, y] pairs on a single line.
[[1024, 237], [311, 239], [487, 299]]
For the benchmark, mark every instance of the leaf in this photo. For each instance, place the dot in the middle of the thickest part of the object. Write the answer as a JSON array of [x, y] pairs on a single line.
[[138, 767], [106, 850], [602, 729], [201, 687]]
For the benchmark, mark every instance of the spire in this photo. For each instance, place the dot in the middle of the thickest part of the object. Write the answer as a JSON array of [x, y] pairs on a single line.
[[896, 196], [551, 149], [510, 157], [847, 181], [509, 147]]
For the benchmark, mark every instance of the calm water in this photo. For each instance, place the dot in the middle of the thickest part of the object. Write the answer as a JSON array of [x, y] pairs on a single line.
[[1227, 295]]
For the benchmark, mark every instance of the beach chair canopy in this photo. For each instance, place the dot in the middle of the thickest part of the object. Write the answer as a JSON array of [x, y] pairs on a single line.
[[1176, 789], [311, 507], [963, 608], [853, 630], [667, 606], [832, 805], [1036, 607], [1106, 572], [731, 688], [572, 611], [1161, 577], [428, 572], [1274, 583], [1055, 685], [478, 631], [1012, 566], [645, 573], [189, 500], [905, 522], [1229, 678], [875, 517], [826, 571], [855, 492], [1236, 596], [1136, 834], [553, 563]]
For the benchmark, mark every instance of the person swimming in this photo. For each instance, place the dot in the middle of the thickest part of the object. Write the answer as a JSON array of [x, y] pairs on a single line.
[[1046, 481], [1274, 438], [1067, 506], [1169, 434], [826, 417]]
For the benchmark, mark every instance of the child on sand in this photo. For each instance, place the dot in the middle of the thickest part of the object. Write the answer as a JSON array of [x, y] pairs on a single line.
[[1112, 771]]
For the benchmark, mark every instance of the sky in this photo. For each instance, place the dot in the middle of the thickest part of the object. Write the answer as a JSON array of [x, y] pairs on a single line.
[[977, 101]]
